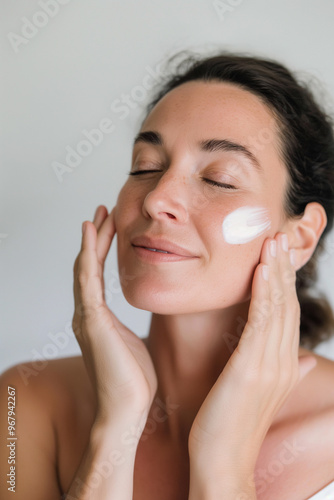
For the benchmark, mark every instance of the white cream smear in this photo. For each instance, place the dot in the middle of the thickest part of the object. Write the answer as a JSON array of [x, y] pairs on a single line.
[[244, 224]]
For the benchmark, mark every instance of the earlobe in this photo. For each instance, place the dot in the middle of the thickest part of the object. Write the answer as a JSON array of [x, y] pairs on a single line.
[[306, 232]]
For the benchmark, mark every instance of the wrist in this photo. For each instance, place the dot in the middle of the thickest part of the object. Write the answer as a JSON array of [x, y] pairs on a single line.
[[119, 432]]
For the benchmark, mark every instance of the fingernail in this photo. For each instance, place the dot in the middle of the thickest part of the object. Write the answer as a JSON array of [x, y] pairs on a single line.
[[265, 272], [83, 228], [272, 247], [285, 242], [292, 253]]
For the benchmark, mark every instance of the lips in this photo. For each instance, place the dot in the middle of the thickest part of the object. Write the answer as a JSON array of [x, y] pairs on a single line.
[[155, 250], [161, 246]]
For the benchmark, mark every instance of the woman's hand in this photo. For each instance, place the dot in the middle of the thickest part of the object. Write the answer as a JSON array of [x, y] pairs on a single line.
[[230, 427], [117, 361]]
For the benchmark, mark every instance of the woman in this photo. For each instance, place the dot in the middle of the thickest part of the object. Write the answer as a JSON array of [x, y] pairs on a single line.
[[228, 202]]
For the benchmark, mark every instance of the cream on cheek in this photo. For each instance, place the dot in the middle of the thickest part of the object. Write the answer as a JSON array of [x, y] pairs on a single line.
[[244, 224]]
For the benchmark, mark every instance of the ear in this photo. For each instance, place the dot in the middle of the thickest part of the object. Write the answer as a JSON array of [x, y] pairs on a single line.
[[304, 233]]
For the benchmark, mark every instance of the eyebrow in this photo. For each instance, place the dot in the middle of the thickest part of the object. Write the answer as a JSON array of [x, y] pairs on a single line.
[[209, 145]]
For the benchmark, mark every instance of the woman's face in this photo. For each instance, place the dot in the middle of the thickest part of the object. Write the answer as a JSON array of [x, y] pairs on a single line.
[[175, 201]]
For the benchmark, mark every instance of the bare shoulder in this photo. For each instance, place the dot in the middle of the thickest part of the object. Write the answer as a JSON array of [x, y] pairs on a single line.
[[319, 383], [313, 398], [65, 393], [54, 410], [58, 389], [302, 436], [49, 380]]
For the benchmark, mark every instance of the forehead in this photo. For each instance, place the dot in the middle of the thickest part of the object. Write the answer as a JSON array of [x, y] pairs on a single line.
[[198, 110], [211, 108]]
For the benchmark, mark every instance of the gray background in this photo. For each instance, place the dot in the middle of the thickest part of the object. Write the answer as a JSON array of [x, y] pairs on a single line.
[[62, 78]]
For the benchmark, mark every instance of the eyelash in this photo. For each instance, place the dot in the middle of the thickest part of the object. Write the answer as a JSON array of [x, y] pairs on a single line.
[[209, 181]]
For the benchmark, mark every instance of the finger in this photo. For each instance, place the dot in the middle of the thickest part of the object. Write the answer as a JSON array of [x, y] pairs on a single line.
[[277, 302], [89, 278], [77, 263], [288, 275], [253, 337], [290, 339], [105, 237], [99, 216], [287, 270], [282, 327]]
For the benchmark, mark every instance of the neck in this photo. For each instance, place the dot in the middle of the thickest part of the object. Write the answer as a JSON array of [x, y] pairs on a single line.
[[189, 352]]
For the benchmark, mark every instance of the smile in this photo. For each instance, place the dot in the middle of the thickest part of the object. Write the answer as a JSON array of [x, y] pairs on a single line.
[[157, 256]]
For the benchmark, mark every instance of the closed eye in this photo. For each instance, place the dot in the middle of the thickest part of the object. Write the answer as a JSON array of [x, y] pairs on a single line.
[[209, 181], [139, 172], [219, 184]]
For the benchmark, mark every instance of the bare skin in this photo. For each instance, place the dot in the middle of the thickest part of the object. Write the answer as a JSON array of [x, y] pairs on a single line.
[[59, 405], [64, 392]]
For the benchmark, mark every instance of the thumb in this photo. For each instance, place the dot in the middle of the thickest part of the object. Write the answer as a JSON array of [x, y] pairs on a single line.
[[306, 364]]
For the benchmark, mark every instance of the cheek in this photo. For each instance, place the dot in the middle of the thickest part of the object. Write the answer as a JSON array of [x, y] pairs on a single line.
[[245, 224], [125, 206]]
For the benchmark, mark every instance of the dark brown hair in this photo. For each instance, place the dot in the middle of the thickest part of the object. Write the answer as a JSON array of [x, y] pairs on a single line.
[[307, 148]]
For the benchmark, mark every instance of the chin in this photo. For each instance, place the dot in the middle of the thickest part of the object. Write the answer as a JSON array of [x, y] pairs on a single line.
[[172, 302], [156, 302], [164, 292]]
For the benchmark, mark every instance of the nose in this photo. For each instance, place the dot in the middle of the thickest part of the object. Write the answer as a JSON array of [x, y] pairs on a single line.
[[168, 199]]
